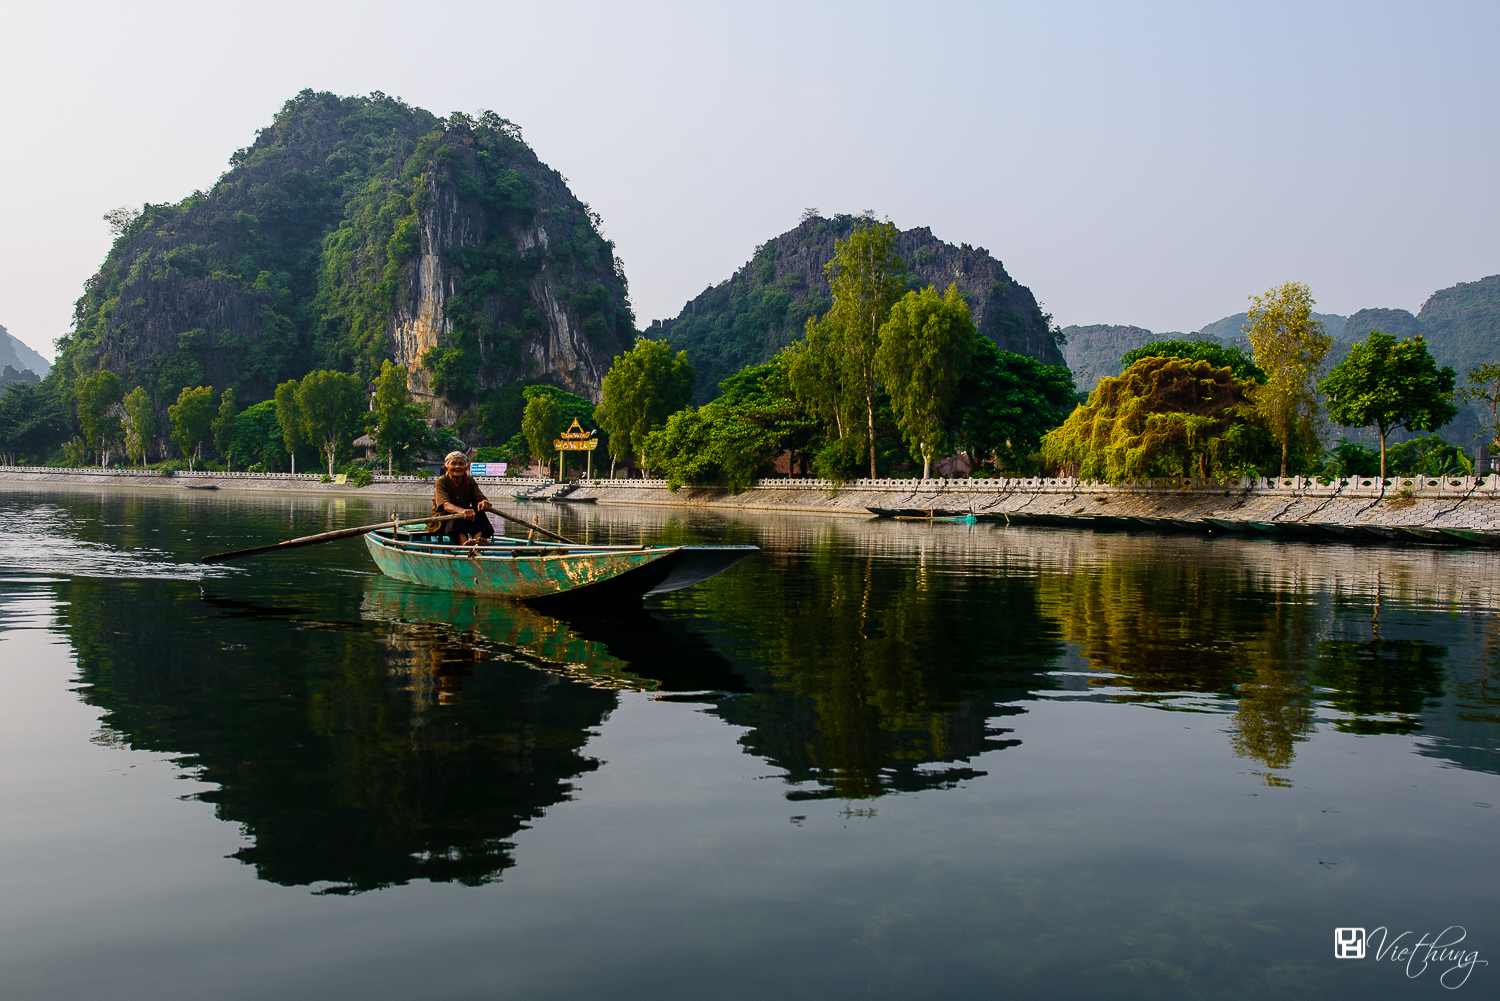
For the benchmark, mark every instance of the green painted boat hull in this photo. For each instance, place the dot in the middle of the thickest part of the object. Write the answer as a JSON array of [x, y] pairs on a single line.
[[507, 576]]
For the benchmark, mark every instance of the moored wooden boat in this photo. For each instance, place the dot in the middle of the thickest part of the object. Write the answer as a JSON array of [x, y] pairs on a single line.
[[1470, 535], [1417, 533], [517, 568], [919, 513]]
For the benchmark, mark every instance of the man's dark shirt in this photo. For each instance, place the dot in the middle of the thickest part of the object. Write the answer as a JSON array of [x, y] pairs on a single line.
[[461, 492]]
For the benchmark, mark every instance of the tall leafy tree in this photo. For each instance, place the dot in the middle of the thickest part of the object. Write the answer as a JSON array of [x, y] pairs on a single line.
[[866, 278], [642, 388], [734, 438], [192, 419], [813, 375], [289, 417], [923, 353], [223, 426], [1289, 345], [327, 404], [1160, 417], [1007, 402], [98, 417], [1483, 386], [401, 425], [142, 417], [541, 423], [1385, 383]]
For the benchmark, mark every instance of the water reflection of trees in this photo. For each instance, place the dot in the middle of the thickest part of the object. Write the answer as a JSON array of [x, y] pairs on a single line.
[[872, 672], [324, 734], [1162, 629]]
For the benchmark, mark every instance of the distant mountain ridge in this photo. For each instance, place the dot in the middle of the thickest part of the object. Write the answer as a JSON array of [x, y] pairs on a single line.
[[1093, 351], [1461, 325], [765, 304], [20, 357]]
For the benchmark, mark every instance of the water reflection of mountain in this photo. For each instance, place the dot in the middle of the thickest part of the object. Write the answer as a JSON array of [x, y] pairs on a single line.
[[354, 753]]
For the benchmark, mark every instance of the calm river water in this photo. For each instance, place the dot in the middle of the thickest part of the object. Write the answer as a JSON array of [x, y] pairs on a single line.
[[878, 760]]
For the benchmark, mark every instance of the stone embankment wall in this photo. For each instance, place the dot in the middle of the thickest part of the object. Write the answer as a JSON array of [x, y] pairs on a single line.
[[1450, 502], [1447, 502], [401, 486]]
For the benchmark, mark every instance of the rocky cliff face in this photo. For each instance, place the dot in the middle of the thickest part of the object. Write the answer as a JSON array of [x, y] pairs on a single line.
[[354, 230], [764, 305], [523, 296]]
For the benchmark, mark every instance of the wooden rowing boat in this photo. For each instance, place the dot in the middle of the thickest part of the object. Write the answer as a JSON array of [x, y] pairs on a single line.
[[529, 571]]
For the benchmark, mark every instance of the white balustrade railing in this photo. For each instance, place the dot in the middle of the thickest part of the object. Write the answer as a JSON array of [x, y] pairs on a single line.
[[1415, 486]]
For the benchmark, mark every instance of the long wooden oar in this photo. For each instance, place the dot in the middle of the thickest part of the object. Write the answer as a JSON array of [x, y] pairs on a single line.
[[349, 533], [306, 540], [533, 526]]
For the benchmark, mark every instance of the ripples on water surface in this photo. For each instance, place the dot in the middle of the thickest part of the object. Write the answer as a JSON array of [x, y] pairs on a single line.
[[877, 760]]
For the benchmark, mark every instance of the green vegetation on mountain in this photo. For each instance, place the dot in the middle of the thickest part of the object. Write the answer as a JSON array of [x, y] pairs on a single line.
[[765, 305], [352, 232], [880, 380]]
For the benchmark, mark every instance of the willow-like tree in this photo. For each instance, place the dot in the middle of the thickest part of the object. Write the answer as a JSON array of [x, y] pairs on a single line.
[[289, 418], [1387, 383], [923, 353], [142, 422], [192, 418], [867, 278], [327, 403], [1290, 345], [643, 387], [1160, 417]]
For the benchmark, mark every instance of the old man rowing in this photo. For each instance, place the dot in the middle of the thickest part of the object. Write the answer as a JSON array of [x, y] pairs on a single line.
[[458, 505], [455, 549]]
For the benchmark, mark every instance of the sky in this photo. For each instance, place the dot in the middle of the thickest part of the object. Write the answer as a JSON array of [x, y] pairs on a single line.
[[1151, 164]]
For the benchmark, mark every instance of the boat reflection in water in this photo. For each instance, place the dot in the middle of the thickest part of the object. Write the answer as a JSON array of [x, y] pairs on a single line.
[[367, 738], [612, 646]]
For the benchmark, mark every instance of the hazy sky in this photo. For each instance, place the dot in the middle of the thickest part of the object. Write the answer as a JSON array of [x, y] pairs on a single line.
[[1150, 163]]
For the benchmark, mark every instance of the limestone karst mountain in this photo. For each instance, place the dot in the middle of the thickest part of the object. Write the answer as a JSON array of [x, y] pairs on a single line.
[[1094, 350], [1461, 325], [764, 306], [17, 356], [351, 230]]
